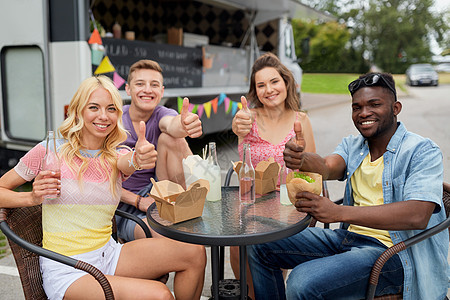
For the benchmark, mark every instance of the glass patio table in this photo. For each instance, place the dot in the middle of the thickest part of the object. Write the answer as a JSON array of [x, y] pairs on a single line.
[[228, 222]]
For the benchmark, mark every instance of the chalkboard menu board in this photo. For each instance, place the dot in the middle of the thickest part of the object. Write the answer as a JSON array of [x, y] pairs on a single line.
[[182, 66]]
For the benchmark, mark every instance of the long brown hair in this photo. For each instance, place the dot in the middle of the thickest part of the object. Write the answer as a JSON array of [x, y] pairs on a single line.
[[270, 60]]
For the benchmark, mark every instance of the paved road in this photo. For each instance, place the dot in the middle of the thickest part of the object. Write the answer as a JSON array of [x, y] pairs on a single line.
[[425, 111]]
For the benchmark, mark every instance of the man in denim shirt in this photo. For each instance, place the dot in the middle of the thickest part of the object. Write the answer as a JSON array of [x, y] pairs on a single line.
[[393, 191]]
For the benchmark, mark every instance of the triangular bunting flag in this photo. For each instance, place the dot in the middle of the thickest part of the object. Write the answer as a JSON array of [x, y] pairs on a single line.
[[239, 105], [207, 107], [118, 80], [95, 38], [194, 110], [96, 56], [214, 104], [105, 66], [190, 107], [227, 105], [200, 111], [180, 104], [233, 108], [222, 97]]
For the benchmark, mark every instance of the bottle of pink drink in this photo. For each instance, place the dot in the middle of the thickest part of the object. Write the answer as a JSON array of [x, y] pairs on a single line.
[[51, 161], [247, 178]]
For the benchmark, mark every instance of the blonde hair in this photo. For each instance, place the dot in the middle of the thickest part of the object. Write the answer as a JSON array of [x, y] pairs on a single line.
[[270, 60], [71, 128]]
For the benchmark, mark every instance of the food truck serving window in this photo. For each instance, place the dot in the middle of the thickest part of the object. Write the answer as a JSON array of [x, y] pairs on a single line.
[[23, 93]]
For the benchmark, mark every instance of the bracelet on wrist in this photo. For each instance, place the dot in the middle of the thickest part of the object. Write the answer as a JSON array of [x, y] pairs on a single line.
[[132, 163], [138, 201]]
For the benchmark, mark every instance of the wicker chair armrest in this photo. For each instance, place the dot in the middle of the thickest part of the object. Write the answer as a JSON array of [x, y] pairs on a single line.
[[141, 223], [391, 251], [228, 177], [97, 274]]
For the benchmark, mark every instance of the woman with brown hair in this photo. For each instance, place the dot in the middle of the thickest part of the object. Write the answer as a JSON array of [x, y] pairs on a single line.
[[269, 124]]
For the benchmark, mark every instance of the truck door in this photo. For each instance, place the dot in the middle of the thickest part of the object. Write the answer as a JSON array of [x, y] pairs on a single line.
[[286, 51], [24, 73]]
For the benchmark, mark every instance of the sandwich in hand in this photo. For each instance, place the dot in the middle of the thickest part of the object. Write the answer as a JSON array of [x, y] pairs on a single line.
[[303, 181]]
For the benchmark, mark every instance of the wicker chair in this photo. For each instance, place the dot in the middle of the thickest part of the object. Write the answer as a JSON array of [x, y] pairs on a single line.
[[23, 228], [391, 251]]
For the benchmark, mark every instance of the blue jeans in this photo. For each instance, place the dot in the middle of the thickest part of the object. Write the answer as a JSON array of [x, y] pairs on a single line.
[[325, 263], [125, 227]]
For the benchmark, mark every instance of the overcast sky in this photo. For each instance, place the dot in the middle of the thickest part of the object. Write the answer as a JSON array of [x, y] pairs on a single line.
[[441, 5]]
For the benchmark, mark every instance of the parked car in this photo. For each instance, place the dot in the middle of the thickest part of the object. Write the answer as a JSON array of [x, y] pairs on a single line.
[[443, 68], [421, 74]]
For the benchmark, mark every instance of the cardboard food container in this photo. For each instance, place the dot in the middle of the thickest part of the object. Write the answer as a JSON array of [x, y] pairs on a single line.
[[295, 185], [266, 175], [194, 168], [175, 204]]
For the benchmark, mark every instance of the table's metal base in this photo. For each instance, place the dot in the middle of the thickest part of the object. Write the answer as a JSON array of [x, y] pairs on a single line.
[[229, 223], [217, 270], [229, 289]]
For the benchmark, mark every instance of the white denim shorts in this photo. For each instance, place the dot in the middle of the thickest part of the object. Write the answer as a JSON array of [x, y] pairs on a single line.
[[57, 277]]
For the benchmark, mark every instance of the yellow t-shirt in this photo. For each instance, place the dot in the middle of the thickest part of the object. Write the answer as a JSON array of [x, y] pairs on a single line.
[[367, 191], [80, 220]]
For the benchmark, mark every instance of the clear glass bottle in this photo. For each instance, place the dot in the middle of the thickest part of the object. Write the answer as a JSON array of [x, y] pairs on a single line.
[[51, 160], [213, 174], [284, 198], [247, 178]]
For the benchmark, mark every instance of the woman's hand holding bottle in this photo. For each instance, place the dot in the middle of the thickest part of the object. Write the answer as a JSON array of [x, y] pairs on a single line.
[[46, 185], [51, 171]]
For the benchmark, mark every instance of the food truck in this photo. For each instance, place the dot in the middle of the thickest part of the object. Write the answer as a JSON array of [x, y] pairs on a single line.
[[206, 49]]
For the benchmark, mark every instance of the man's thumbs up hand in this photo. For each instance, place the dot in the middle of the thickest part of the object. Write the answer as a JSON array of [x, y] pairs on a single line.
[[294, 148], [145, 155], [299, 134], [190, 122]]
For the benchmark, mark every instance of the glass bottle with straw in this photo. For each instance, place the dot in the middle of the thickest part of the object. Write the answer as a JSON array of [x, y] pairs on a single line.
[[213, 174]]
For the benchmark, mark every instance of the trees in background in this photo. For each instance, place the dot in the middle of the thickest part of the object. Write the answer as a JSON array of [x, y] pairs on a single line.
[[324, 48], [391, 34]]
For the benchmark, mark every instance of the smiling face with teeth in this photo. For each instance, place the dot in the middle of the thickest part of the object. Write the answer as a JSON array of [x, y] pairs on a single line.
[[270, 88], [146, 90], [374, 113], [100, 118]]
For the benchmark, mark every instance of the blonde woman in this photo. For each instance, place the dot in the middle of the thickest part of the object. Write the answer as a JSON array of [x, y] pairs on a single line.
[[78, 223]]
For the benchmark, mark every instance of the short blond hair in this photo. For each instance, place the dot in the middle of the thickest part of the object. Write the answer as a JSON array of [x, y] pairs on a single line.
[[143, 64]]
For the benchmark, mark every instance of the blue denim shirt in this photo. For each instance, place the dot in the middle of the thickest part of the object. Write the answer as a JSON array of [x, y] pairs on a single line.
[[413, 170]]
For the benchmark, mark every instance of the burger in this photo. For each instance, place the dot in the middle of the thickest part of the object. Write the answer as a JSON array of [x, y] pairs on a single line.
[[303, 182]]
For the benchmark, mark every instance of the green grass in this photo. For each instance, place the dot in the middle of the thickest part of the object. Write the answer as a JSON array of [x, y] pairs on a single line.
[[4, 248], [3, 245], [316, 83], [444, 78], [332, 83]]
